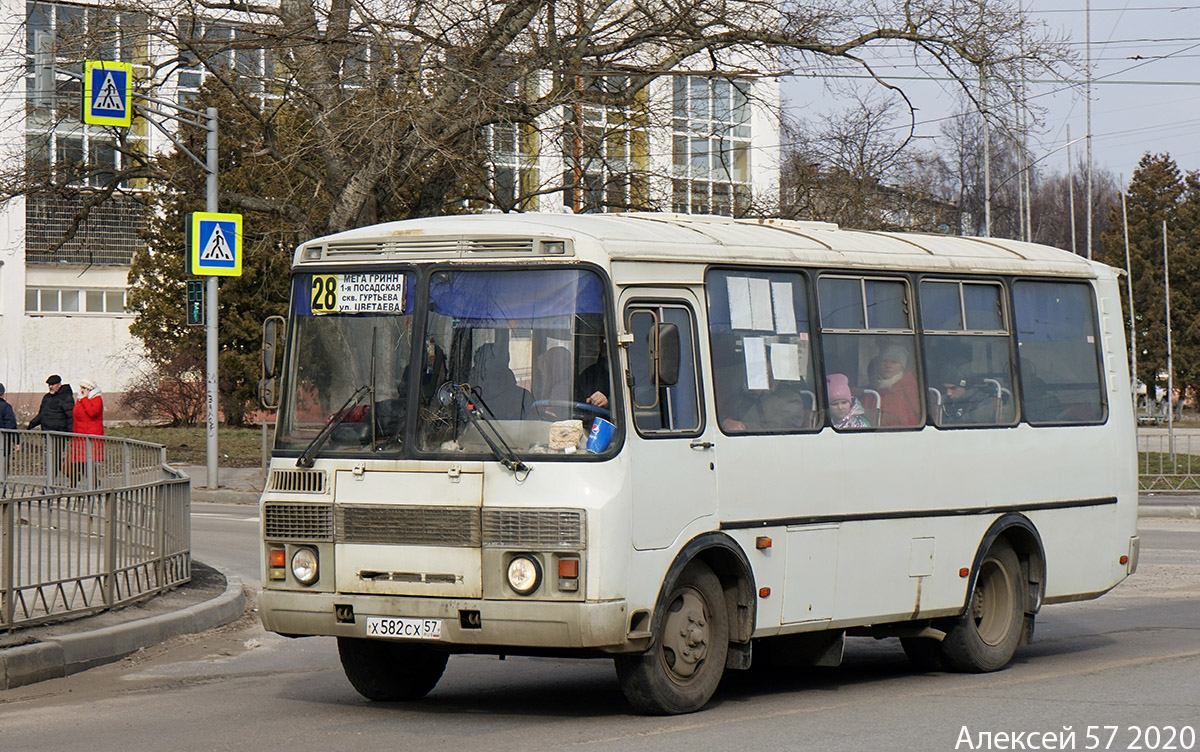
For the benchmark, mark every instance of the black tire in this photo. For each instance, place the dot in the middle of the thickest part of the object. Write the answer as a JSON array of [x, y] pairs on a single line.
[[985, 637], [925, 653], [681, 671], [390, 671]]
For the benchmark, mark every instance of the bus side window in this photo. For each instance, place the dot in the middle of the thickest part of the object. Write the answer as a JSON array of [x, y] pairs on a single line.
[[660, 407], [762, 361], [867, 336], [968, 353], [1061, 380]]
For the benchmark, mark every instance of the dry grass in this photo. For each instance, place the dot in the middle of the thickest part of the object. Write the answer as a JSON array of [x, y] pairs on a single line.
[[188, 445]]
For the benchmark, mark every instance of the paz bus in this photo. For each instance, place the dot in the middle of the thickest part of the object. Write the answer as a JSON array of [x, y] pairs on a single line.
[[688, 444]]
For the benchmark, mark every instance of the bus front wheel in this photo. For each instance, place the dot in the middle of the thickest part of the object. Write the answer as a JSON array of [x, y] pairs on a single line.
[[682, 669], [390, 671], [985, 637]]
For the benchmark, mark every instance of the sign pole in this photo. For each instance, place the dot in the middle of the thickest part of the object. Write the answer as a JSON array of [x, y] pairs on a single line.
[[210, 378]]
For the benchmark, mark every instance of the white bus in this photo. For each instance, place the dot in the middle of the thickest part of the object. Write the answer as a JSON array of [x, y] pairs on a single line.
[[688, 443]]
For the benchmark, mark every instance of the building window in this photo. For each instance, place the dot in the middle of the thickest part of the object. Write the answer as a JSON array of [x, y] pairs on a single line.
[[234, 50], [58, 38], [606, 148], [57, 300], [710, 150]]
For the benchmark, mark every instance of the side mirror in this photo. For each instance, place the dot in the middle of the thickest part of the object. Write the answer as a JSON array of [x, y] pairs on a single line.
[[273, 331], [268, 399], [664, 353]]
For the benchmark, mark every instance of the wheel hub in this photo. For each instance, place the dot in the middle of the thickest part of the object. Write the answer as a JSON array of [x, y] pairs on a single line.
[[685, 643]]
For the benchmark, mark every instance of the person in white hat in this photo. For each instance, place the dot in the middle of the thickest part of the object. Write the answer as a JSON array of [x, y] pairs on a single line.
[[88, 419]]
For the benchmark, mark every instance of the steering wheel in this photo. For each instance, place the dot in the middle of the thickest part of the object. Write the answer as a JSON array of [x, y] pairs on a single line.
[[586, 407]]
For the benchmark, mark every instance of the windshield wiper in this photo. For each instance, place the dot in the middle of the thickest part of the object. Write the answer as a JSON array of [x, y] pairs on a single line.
[[480, 416], [306, 459]]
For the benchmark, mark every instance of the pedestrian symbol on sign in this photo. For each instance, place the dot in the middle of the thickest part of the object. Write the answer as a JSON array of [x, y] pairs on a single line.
[[217, 248], [216, 244], [109, 97]]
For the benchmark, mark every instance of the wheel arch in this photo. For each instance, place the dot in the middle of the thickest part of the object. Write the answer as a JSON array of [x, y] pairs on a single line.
[[729, 563], [1020, 533]]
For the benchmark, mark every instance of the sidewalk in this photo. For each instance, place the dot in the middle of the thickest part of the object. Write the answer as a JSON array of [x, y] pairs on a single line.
[[237, 485], [1169, 505], [212, 598]]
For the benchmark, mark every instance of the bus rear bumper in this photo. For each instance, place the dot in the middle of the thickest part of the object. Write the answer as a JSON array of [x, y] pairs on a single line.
[[464, 622]]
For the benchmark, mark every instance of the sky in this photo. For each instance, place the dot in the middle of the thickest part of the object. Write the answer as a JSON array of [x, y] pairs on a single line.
[[1145, 93]]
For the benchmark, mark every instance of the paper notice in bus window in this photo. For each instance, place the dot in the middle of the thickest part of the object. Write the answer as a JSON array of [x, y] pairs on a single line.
[[371, 293], [785, 361], [755, 350], [739, 302], [762, 316], [785, 307]]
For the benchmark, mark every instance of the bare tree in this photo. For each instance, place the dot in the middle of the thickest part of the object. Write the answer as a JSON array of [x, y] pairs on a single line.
[[858, 168], [364, 112]]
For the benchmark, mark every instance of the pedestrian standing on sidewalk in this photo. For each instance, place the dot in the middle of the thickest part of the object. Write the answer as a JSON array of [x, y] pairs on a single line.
[[88, 418], [55, 414], [8, 422]]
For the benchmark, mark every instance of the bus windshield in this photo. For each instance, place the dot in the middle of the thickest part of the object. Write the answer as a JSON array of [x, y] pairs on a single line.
[[526, 348], [504, 351]]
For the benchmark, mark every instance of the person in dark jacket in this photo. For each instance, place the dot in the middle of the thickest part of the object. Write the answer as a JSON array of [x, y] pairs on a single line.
[[8, 421], [55, 413]]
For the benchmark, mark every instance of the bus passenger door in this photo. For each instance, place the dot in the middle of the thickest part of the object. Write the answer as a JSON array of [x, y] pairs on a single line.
[[671, 455]]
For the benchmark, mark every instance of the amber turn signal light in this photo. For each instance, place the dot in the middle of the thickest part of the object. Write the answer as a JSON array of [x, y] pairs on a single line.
[[568, 567]]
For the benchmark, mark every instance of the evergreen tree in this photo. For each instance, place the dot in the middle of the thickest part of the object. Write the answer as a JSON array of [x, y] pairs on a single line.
[[1159, 193]]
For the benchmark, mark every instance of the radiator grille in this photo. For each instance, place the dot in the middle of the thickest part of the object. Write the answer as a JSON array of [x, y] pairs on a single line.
[[298, 481], [533, 528], [298, 521], [409, 526]]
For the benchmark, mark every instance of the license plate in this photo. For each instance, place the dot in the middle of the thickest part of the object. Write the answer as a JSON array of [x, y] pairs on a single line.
[[417, 629]]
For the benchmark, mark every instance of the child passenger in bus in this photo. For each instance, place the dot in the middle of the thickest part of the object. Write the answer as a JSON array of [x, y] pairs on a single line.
[[845, 411]]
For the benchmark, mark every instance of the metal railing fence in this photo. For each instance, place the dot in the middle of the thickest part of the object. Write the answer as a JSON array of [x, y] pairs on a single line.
[[1169, 462], [87, 524]]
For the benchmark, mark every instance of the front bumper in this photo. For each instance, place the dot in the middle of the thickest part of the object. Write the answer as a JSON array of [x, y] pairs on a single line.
[[508, 623]]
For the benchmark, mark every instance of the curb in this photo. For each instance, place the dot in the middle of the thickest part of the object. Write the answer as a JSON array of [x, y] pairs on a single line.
[[1183, 511], [70, 654], [225, 496]]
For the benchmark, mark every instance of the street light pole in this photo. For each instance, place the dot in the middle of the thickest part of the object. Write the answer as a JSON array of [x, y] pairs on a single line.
[[210, 310]]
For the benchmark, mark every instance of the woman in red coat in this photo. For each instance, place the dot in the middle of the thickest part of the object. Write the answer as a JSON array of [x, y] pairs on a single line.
[[897, 387], [88, 418]]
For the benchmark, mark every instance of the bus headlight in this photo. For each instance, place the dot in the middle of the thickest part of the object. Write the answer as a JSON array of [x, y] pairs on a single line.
[[524, 574], [304, 566]]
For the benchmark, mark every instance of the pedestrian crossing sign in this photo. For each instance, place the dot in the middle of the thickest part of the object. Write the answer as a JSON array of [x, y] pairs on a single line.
[[216, 244], [107, 98]]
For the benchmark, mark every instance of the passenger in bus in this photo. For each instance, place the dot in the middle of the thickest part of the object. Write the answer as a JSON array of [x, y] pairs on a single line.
[[743, 410], [552, 383], [592, 385], [963, 404], [845, 411], [496, 384], [893, 379]]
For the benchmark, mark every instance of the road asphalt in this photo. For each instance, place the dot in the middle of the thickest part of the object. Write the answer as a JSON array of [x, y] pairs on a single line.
[[213, 598]]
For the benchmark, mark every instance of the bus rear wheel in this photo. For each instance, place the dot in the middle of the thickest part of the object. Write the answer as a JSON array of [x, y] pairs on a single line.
[[390, 671], [985, 636], [681, 671]]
